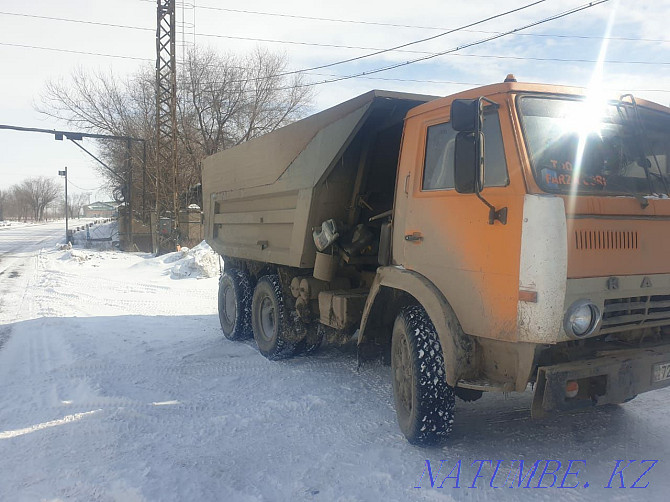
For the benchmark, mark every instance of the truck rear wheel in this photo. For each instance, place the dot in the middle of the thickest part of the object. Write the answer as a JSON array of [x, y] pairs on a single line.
[[235, 304], [424, 402], [269, 319]]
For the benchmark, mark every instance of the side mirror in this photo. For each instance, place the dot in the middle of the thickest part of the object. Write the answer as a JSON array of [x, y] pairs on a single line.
[[468, 170], [465, 115]]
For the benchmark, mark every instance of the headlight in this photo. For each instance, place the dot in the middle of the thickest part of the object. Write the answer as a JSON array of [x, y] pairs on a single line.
[[581, 319]]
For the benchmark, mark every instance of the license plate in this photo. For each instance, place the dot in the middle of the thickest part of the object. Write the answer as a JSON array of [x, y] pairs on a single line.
[[660, 372]]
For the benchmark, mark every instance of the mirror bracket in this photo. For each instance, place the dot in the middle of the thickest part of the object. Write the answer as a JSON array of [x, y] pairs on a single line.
[[499, 215], [494, 214]]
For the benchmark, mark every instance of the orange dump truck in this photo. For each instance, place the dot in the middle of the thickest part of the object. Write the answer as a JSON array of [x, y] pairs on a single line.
[[510, 234]]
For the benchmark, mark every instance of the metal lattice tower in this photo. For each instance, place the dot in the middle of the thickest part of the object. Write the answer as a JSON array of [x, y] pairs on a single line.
[[166, 114]]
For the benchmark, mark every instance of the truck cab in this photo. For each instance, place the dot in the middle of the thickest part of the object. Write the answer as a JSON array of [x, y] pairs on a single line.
[[507, 235]]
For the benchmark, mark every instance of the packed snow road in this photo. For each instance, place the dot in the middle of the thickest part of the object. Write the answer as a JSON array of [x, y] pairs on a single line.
[[116, 384], [19, 248]]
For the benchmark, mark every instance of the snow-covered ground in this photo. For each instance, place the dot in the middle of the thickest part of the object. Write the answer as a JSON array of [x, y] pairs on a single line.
[[116, 384]]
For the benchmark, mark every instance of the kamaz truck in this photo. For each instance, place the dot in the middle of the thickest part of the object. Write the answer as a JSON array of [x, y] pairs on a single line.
[[507, 235]]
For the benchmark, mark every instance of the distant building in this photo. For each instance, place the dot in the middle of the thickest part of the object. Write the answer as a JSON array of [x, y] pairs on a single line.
[[101, 210]]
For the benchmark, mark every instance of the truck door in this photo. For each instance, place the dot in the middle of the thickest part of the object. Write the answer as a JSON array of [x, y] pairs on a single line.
[[446, 237]]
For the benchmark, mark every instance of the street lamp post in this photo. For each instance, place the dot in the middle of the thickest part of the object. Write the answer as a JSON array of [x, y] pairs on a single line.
[[67, 233]]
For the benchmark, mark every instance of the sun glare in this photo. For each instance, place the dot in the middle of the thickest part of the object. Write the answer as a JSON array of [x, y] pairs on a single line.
[[588, 118]]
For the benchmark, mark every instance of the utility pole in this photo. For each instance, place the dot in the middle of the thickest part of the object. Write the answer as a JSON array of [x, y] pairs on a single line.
[[166, 124], [67, 232], [129, 191]]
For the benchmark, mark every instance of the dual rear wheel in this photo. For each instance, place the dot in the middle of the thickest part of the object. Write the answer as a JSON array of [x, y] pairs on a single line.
[[235, 295], [261, 312]]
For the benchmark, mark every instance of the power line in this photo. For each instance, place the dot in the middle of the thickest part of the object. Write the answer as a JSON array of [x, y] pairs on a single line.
[[465, 46], [500, 35], [479, 42], [561, 60], [364, 56], [531, 58], [69, 180], [142, 28], [484, 56], [469, 84], [431, 55], [418, 27], [452, 82], [71, 51], [80, 21], [328, 19], [402, 46], [318, 44]]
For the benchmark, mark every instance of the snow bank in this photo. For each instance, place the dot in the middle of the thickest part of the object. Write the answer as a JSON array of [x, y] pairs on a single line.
[[75, 255], [6, 224], [197, 262]]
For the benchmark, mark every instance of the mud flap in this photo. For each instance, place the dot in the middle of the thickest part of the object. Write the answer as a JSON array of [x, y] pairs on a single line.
[[610, 377]]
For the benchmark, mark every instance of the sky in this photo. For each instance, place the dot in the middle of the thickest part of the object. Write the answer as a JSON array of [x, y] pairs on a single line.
[[34, 50]]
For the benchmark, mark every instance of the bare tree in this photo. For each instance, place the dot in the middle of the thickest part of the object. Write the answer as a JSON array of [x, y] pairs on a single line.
[[4, 198], [76, 202], [37, 193], [222, 101]]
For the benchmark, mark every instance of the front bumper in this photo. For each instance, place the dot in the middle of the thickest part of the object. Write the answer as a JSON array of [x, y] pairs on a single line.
[[610, 377]]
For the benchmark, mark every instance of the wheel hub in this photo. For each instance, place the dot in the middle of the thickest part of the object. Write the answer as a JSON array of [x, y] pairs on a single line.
[[403, 373], [229, 305], [267, 318]]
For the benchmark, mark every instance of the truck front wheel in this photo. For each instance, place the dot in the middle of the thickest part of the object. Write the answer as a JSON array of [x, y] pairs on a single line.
[[424, 402], [235, 304], [269, 319]]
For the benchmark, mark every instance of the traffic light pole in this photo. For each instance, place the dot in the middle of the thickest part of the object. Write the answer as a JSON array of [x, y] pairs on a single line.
[[67, 232]]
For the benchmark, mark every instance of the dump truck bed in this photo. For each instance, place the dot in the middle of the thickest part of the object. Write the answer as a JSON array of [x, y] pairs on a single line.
[[262, 198]]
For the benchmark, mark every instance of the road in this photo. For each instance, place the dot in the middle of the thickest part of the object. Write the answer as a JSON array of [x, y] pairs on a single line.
[[116, 385], [19, 250]]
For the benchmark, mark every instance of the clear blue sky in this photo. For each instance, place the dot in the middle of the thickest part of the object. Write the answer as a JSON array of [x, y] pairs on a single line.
[[560, 51]]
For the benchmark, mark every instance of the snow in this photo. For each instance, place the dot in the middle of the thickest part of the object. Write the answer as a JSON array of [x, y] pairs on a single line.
[[117, 385], [6, 224], [197, 262]]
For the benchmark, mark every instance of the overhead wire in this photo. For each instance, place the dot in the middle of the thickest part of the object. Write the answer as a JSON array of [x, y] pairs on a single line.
[[316, 44], [561, 60], [366, 73], [570, 60], [419, 27], [484, 56], [363, 56], [402, 46], [464, 46], [72, 51], [69, 181]]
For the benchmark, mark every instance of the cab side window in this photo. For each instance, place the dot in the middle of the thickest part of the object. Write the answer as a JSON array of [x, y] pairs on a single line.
[[438, 171], [495, 167]]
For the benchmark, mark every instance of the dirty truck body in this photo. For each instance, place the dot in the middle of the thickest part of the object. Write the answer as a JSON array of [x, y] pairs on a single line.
[[510, 234]]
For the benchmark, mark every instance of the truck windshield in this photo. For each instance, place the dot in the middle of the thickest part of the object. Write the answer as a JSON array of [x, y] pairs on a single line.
[[618, 149]]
